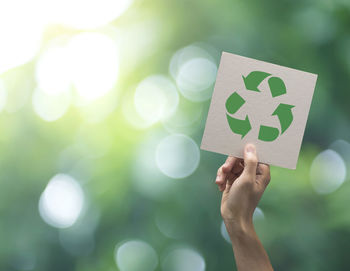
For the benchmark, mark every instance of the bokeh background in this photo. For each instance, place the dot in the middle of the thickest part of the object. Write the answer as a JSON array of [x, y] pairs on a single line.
[[103, 105]]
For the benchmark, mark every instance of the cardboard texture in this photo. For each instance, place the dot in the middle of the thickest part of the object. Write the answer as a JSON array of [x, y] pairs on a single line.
[[260, 103]]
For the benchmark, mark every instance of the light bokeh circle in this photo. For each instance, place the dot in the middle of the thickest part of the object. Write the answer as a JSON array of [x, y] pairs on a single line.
[[224, 232], [177, 156], [87, 63], [147, 178], [258, 215], [48, 107], [62, 201], [327, 172], [52, 71], [136, 255], [94, 64], [195, 78], [183, 259], [156, 98], [131, 115], [194, 69]]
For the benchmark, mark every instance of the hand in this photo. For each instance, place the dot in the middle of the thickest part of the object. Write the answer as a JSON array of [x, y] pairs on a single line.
[[242, 183]]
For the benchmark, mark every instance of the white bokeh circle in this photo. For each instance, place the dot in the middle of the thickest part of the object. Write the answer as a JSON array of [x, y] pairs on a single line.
[[48, 107], [183, 259], [177, 156], [156, 98], [135, 255], [94, 64], [327, 172], [194, 70], [62, 201]]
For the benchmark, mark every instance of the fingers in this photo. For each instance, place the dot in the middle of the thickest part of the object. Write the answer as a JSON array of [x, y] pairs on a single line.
[[220, 179], [239, 166], [250, 161], [229, 164], [224, 170], [264, 176]]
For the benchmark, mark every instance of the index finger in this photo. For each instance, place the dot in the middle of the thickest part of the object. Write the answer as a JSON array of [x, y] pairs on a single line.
[[264, 174], [224, 170]]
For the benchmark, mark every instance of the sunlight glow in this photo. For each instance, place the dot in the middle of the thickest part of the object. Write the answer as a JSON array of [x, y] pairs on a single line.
[[140, 41], [48, 107], [83, 14], [100, 109], [88, 62], [52, 71], [94, 64], [20, 33]]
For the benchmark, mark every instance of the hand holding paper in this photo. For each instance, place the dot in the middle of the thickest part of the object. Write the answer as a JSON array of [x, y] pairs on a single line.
[[243, 184]]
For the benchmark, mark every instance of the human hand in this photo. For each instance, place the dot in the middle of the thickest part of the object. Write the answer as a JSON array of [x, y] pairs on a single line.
[[243, 182]]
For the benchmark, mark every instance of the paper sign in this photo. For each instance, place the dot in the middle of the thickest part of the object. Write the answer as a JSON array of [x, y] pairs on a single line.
[[260, 103]]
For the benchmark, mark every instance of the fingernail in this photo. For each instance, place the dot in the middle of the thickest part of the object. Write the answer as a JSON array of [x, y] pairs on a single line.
[[250, 149]]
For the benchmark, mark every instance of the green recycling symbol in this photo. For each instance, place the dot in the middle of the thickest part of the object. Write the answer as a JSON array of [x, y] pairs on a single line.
[[283, 111]]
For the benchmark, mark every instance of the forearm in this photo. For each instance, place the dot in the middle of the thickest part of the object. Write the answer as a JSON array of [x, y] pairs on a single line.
[[249, 253]]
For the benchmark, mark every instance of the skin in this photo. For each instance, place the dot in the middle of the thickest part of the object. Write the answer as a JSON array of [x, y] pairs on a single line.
[[242, 183]]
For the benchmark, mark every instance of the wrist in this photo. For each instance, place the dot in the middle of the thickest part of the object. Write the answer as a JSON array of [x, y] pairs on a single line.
[[239, 228]]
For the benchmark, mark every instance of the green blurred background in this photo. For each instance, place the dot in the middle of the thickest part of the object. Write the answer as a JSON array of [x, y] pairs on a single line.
[[103, 106]]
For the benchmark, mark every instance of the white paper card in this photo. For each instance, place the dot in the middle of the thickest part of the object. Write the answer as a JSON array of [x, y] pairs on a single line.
[[260, 103]]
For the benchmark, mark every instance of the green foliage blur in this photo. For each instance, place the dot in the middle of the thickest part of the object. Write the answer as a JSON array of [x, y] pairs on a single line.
[[301, 229]]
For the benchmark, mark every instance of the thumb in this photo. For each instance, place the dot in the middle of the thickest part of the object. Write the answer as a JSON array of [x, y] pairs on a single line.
[[250, 161]]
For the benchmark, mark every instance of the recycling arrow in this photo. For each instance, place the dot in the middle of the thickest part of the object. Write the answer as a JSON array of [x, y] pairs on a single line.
[[277, 86], [253, 80], [285, 116], [234, 102], [268, 133], [238, 126], [283, 111]]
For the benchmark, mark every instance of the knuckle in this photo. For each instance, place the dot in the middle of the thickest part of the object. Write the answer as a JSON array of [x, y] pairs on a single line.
[[268, 179], [252, 159], [225, 168]]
